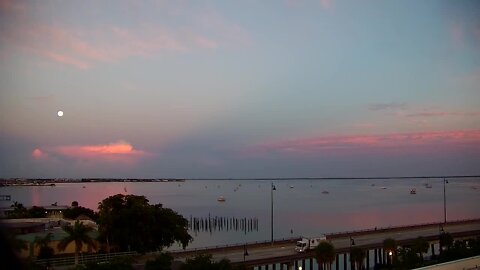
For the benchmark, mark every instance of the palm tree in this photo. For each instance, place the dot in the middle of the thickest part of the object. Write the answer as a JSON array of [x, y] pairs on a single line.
[[390, 245], [45, 251], [420, 246], [446, 241], [357, 255], [325, 254], [78, 233]]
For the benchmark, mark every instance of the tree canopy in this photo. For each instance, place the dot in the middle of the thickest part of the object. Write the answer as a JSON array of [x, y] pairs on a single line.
[[325, 254], [129, 222], [357, 255], [390, 244], [75, 211], [204, 261], [45, 251]]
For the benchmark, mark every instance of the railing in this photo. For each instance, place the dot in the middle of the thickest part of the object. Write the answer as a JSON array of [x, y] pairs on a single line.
[[236, 245], [84, 258], [451, 222]]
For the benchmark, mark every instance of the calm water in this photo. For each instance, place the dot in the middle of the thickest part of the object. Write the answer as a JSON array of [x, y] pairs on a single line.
[[300, 207]]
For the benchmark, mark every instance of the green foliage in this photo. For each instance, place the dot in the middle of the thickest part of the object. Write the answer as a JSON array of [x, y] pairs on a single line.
[[357, 256], [420, 246], [460, 249], [19, 211], [161, 262], [131, 223], [43, 242], [325, 253], [390, 244], [407, 258], [204, 261], [78, 233], [474, 245], [446, 241], [36, 212], [74, 212]]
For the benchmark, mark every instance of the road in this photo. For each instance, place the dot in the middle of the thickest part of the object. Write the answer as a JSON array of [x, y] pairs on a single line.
[[370, 239]]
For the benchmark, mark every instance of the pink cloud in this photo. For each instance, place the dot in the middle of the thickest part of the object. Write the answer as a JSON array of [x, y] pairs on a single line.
[[38, 154], [65, 59], [84, 48], [117, 149], [12, 6], [120, 151], [326, 4], [384, 141]]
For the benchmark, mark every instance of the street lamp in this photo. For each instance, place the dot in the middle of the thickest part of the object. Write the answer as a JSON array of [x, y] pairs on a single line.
[[271, 191], [445, 181], [390, 253]]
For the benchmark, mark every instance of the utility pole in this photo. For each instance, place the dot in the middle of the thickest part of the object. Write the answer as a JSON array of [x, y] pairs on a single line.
[[445, 181], [271, 196]]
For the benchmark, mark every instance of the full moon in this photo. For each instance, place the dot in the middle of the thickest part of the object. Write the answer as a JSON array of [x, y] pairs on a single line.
[[60, 113]]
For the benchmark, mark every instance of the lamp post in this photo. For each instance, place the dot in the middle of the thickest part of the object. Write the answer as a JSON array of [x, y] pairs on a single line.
[[271, 191], [245, 252], [445, 181]]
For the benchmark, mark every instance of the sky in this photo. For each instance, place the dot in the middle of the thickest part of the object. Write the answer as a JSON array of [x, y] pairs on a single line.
[[233, 89]]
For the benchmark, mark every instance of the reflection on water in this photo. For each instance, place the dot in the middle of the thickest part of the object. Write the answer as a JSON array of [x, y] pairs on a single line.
[[301, 207]]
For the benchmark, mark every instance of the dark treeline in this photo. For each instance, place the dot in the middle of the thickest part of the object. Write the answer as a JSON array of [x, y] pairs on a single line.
[[216, 223]]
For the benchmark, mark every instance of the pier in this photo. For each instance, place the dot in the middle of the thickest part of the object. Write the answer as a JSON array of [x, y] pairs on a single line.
[[281, 254]]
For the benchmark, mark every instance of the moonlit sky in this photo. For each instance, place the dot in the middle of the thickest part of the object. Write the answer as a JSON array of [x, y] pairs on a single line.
[[201, 89]]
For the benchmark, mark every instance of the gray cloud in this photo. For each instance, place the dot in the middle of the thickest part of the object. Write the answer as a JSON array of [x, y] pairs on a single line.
[[387, 106]]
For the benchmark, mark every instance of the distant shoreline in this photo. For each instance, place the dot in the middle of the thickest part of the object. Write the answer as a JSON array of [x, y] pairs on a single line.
[[53, 181]]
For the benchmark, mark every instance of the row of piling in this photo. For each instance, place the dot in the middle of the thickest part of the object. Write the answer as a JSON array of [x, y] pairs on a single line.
[[220, 223]]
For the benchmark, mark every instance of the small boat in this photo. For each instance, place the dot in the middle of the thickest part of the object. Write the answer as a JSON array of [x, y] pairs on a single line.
[[383, 187], [291, 186], [221, 199], [413, 191], [325, 192]]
